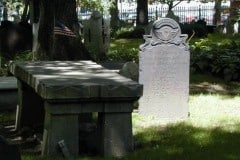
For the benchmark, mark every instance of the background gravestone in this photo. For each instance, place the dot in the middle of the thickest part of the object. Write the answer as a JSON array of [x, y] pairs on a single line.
[[97, 35], [164, 71], [130, 70]]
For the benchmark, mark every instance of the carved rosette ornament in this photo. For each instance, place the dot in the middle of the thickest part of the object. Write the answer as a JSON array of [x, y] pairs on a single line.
[[165, 31]]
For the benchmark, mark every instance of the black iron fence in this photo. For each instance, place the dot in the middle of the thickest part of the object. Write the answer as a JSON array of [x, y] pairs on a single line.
[[185, 14]]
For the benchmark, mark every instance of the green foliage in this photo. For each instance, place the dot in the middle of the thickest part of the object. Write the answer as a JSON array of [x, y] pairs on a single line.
[[123, 55], [7, 116], [91, 4], [199, 29], [130, 32], [217, 55], [24, 56], [124, 50], [14, 4]]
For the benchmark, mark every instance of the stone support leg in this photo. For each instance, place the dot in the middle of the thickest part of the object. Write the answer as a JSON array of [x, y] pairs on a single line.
[[115, 133], [59, 127], [30, 107]]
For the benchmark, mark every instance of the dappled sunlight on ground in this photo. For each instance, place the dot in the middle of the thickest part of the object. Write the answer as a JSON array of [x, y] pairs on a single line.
[[213, 88], [208, 111], [215, 111], [187, 142], [205, 84], [211, 132]]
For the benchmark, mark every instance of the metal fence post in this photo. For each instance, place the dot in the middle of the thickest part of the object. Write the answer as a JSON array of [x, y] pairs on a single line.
[[199, 12]]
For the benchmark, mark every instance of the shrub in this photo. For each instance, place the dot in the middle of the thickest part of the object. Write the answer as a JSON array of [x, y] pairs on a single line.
[[130, 32], [123, 55], [124, 50], [23, 56], [219, 57], [199, 28]]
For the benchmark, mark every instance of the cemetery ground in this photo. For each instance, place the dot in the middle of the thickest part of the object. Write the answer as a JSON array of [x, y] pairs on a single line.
[[212, 130]]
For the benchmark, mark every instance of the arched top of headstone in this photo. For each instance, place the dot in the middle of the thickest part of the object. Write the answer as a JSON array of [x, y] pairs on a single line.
[[165, 31]]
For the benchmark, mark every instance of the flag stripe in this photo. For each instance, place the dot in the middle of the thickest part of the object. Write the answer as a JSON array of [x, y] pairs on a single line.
[[61, 29]]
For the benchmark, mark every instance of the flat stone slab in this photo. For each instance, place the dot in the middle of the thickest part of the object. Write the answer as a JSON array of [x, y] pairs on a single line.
[[74, 80]]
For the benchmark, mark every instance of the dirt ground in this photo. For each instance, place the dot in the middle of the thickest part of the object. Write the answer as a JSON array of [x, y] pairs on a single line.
[[28, 140]]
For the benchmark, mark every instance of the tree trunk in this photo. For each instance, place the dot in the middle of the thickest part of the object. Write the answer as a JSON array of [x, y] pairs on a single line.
[[59, 47], [232, 19], [170, 6], [142, 12], [217, 15], [5, 11], [114, 22]]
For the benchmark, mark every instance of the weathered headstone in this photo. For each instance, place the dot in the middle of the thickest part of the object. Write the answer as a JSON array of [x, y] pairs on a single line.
[[130, 70], [97, 35], [164, 71]]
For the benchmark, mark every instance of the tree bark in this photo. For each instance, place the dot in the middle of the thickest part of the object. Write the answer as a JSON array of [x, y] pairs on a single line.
[[232, 19], [142, 12], [114, 22], [59, 47], [217, 15]]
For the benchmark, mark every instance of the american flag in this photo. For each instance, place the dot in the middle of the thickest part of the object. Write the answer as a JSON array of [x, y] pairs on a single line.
[[61, 29]]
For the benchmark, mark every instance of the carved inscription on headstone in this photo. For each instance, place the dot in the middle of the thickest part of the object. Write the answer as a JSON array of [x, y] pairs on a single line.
[[164, 71]]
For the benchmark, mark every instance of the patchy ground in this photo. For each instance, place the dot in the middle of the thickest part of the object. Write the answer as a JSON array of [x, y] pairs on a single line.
[[29, 140]]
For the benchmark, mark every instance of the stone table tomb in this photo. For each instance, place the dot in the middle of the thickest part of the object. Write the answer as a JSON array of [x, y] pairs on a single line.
[[60, 92]]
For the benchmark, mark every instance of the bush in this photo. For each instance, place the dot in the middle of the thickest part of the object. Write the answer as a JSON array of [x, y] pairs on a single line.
[[4, 68], [124, 50], [199, 29], [219, 57], [130, 32], [123, 55]]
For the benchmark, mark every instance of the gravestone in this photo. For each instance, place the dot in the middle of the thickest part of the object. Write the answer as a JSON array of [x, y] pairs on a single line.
[[130, 70], [164, 71], [97, 35]]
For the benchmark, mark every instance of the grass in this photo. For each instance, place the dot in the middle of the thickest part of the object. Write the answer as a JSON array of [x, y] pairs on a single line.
[[211, 132]]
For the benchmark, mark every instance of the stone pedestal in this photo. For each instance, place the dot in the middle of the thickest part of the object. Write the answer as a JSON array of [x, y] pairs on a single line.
[[29, 110]]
